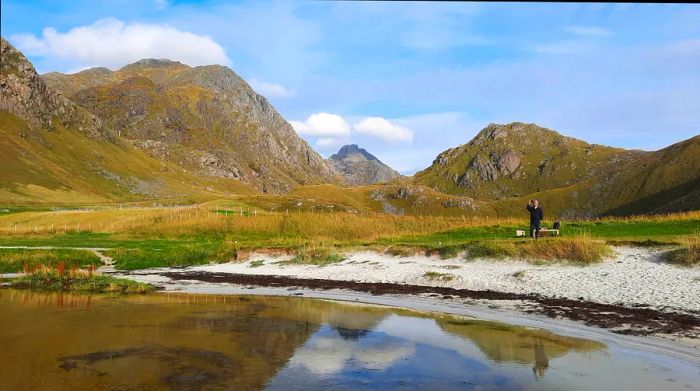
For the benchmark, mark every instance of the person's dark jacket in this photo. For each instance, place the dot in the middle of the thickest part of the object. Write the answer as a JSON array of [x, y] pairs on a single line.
[[536, 214]]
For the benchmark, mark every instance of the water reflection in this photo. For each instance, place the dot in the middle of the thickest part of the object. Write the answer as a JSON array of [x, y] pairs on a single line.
[[503, 343], [541, 359], [185, 342]]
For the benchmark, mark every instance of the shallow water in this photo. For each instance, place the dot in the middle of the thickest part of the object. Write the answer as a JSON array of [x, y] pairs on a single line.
[[197, 342]]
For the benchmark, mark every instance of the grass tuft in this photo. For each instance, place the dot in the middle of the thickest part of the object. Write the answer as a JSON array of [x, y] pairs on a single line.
[[581, 249], [315, 255], [437, 276], [688, 254]]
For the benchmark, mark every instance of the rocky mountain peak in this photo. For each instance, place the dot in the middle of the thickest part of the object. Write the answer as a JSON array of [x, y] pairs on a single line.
[[360, 167], [353, 151], [25, 94], [153, 63]]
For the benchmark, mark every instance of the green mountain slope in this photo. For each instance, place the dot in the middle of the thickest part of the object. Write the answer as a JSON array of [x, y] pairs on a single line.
[[53, 151], [507, 165], [205, 118], [505, 161]]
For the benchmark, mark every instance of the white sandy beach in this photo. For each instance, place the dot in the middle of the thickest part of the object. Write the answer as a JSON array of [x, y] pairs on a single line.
[[632, 276]]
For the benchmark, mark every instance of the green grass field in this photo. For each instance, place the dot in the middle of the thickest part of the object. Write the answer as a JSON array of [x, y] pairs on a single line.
[[153, 237]]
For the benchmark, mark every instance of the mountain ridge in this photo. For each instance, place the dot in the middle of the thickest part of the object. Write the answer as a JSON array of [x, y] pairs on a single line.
[[205, 118]]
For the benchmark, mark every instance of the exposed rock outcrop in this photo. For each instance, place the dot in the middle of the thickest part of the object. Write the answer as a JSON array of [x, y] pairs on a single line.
[[360, 167], [24, 93]]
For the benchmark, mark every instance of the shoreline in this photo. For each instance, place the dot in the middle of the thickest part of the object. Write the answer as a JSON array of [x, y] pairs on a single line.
[[682, 349], [632, 293]]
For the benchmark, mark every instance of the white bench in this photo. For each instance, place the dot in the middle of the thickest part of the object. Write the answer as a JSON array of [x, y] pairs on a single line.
[[543, 232]]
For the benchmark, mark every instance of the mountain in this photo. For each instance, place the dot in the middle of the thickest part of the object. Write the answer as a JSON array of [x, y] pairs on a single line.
[[54, 151], [360, 167], [504, 161], [509, 164], [206, 119]]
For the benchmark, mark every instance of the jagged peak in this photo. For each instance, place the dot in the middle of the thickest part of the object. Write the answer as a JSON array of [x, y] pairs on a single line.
[[352, 149]]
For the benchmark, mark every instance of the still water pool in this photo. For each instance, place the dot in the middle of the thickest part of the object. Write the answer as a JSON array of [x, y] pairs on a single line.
[[196, 342]]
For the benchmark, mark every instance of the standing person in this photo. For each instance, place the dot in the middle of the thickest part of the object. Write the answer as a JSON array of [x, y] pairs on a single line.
[[536, 217]]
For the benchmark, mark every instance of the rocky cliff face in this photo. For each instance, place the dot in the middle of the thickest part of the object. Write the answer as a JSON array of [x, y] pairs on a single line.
[[515, 159], [24, 93], [54, 151], [206, 118], [360, 167]]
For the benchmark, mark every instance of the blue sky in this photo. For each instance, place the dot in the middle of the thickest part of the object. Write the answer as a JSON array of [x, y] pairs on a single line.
[[406, 80]]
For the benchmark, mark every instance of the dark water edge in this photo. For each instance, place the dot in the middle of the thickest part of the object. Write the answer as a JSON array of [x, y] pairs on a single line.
[[209, 342]]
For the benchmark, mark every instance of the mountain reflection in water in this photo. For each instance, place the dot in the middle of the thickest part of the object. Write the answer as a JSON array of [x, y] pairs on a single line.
[[188, 342]]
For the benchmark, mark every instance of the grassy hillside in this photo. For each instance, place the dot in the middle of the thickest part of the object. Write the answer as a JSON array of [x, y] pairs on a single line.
[[664, 181], [65, 167], [511, 160], [506, 165]]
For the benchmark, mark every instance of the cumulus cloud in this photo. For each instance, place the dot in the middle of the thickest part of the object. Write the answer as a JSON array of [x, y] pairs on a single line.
[[383, 129], [113, 43], [323, 125], [270, 89]]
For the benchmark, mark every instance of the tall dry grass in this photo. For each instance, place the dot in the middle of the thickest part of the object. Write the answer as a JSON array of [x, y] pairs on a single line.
[[580, 249], [688, 254], [202, 220]]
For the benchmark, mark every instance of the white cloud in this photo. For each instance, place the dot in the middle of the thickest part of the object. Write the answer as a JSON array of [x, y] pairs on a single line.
[[589, 31], [383, 129], [113, 43], [326, 355], [270, 89], [323, 125]]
